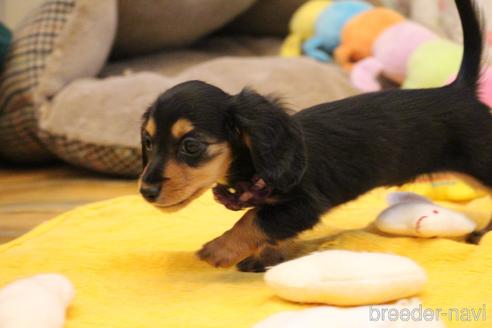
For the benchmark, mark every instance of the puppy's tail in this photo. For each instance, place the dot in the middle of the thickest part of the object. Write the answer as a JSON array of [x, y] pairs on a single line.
[[473, 42]]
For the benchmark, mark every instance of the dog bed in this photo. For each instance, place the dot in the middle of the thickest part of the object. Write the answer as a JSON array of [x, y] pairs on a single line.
[[134, 266]]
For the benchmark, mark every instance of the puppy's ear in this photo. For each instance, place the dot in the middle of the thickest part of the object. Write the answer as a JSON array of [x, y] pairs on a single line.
[[274, 139]]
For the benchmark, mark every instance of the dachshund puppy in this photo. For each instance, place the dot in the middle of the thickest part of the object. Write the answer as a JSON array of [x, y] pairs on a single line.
[[291, 169]]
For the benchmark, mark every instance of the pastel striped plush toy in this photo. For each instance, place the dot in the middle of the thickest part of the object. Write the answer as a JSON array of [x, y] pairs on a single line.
[[368, 42], [422, 61]]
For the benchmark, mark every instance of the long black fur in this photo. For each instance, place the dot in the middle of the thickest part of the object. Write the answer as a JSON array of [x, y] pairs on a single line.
[[332, 153]]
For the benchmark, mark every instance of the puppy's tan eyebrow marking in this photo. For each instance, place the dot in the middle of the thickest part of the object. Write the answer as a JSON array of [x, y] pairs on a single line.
[[150, 127], [181, 127]]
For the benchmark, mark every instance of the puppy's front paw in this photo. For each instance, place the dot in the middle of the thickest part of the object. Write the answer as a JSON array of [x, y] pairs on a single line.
[[221, 253], [244, 239]]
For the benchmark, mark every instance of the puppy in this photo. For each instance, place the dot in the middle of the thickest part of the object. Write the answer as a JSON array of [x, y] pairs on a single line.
[[291, 169]]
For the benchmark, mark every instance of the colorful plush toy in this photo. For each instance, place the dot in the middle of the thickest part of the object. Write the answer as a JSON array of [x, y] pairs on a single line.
[[302, 27], [422, 61], [360, 33], [355, 30], [390, 56], [329, 27], [412, 215], [39, 301]]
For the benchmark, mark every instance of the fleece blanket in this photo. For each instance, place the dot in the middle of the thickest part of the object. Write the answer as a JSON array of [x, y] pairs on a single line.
[[134, 266]]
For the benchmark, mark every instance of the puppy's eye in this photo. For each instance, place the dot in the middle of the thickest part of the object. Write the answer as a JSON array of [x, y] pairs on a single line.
[[147, 141], [191, 146]]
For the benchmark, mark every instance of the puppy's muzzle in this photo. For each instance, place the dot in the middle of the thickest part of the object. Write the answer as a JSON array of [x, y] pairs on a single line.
[[150, 191]]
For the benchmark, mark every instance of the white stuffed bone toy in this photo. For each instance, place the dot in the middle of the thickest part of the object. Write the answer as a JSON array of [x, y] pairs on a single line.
[[412, 215], [39, 301]]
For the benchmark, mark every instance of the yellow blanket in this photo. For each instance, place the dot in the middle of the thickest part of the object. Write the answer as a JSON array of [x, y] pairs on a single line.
[[134, 266]]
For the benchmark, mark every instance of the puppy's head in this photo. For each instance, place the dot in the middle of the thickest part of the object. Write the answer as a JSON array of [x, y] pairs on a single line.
[[193, 132]]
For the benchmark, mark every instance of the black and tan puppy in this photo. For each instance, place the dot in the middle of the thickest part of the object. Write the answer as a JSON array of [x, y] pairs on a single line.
[[195, 135]]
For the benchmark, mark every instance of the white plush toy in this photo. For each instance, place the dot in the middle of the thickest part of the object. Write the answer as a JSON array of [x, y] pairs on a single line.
[[338, 277], [408, 315], [35, 302], [412, 215]]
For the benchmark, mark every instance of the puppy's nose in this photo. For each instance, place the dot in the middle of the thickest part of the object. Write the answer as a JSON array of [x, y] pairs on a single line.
[[150, 192]]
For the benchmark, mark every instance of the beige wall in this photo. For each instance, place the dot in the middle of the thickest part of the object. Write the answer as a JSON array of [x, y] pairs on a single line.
[[12, 11]]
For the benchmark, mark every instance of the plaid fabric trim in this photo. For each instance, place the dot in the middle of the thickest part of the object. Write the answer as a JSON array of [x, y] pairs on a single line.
[[114, 160], [18, 141], [32, 44]]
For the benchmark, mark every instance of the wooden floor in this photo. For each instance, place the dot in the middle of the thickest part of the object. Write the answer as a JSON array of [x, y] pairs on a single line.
[[29, 197]]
